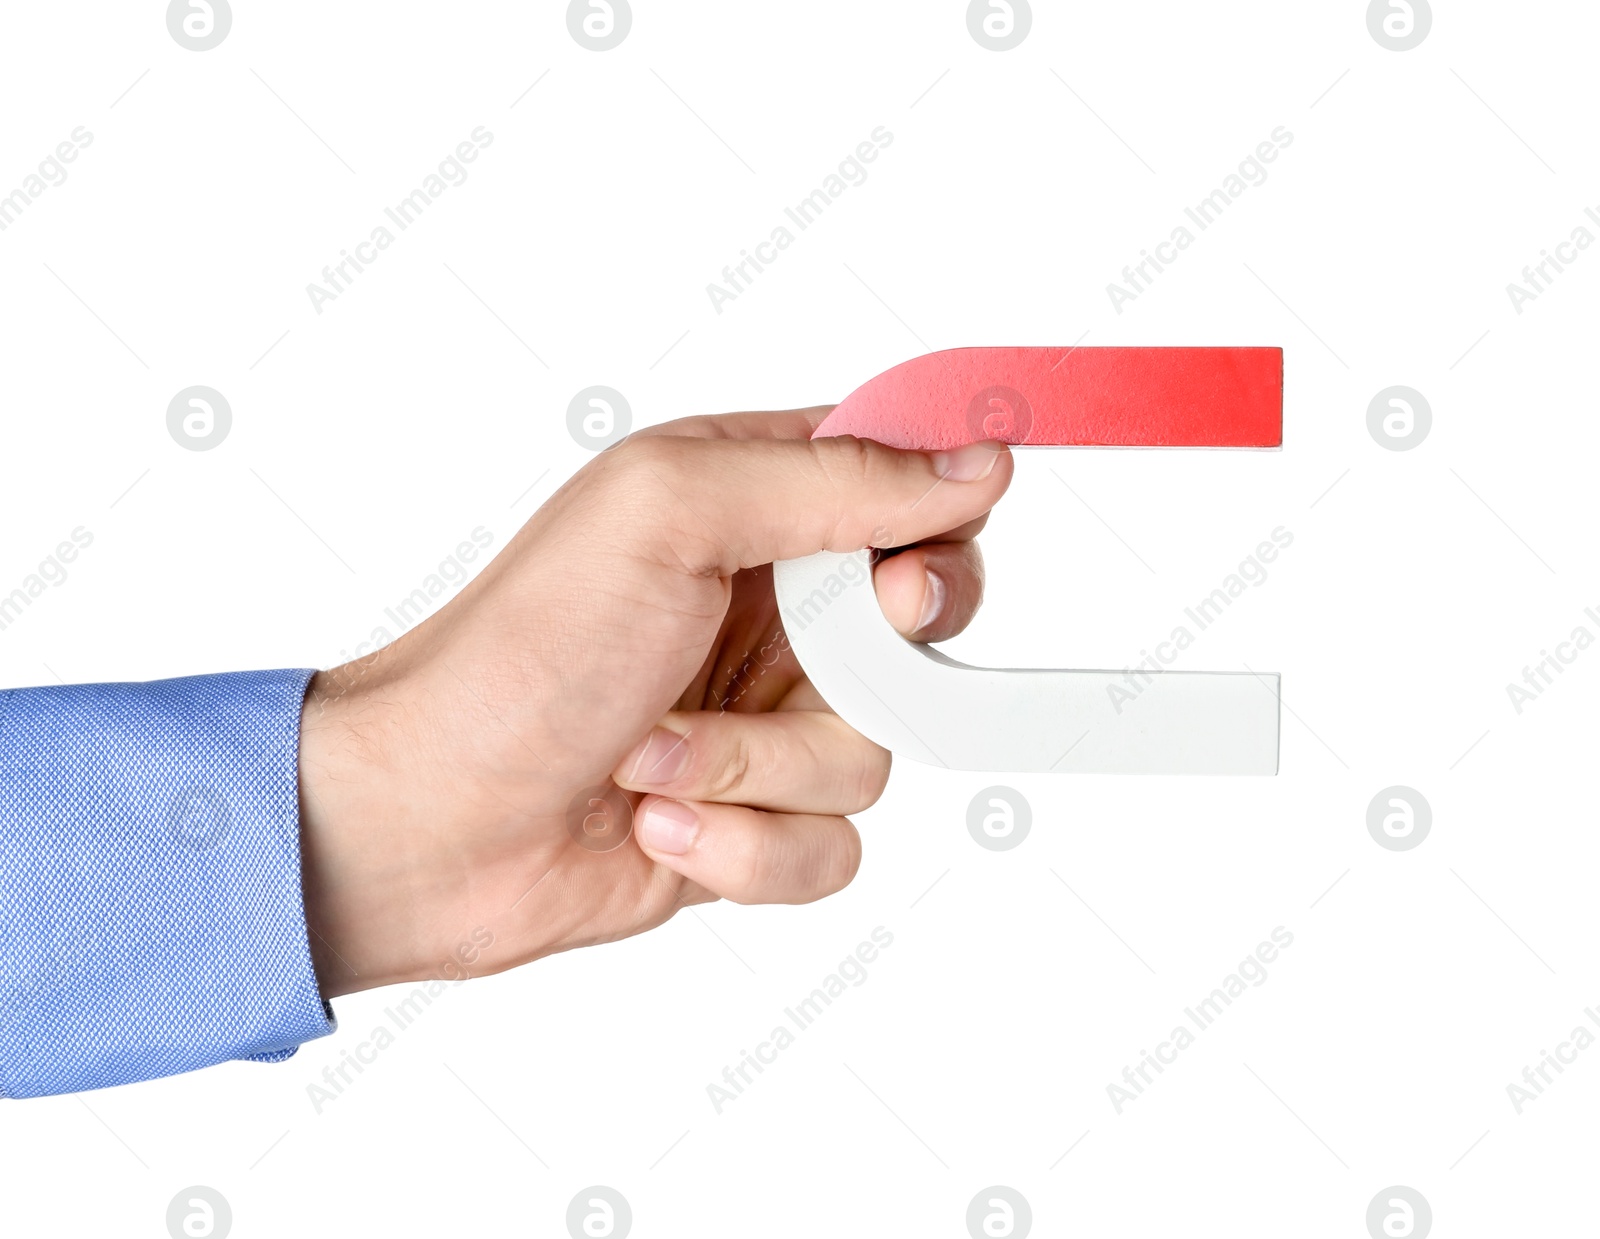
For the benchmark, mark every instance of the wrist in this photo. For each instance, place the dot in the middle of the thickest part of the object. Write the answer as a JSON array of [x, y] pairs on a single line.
[[356, 873]]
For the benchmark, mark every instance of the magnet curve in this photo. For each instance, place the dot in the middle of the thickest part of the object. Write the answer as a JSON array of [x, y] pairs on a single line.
[[924, 705]]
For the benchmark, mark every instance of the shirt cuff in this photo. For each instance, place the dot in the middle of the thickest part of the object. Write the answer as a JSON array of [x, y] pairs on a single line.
[[151, 919]]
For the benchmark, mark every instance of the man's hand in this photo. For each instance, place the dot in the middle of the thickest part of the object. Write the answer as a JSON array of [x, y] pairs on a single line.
[[473, 780]]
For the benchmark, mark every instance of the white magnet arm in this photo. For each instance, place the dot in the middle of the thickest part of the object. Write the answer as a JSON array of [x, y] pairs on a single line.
[[918, 703]]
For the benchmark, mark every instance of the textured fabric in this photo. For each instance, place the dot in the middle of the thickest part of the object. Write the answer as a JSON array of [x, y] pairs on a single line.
[[151, 919]]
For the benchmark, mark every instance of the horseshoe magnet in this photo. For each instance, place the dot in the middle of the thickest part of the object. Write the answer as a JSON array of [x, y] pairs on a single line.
[[922, 704]]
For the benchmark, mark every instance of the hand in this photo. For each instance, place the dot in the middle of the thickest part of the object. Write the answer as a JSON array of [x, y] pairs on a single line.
[[457, 787]]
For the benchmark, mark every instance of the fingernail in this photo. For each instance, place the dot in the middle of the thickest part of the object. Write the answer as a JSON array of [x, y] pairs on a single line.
[[932, 601], [667, 826], [660, 758], [971, 463]]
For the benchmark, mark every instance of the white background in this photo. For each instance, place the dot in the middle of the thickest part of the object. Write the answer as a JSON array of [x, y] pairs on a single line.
[[431, 398]]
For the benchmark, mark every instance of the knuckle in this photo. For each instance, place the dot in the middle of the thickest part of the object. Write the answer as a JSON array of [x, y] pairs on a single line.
[[841, 859], [648, 486], [874, 777], [751, 874], [820, 862], [732, 769], [859, 768], [850, 469], [799, 865], [847, 459], [641, 455]]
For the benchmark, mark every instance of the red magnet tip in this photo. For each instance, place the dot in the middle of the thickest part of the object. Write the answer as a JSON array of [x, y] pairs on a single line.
[[1072, 397]]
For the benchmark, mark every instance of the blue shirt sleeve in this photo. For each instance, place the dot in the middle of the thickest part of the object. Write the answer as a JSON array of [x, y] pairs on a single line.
[[151, 918]]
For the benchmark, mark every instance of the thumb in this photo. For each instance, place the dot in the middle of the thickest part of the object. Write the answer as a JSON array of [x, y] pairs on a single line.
[[719, 505]]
